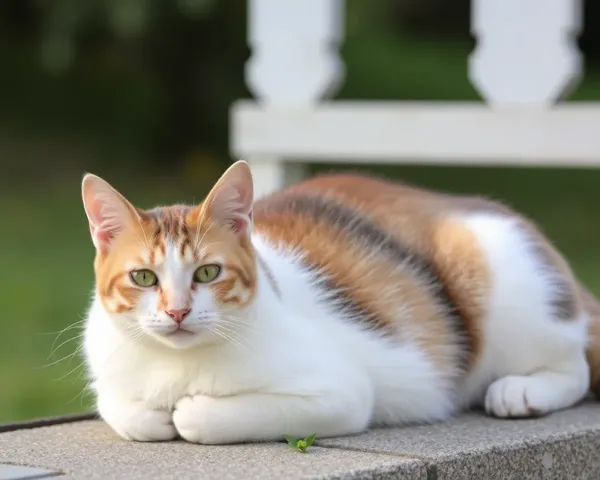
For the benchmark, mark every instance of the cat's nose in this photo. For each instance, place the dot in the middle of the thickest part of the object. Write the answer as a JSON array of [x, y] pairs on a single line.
[[178, 314]]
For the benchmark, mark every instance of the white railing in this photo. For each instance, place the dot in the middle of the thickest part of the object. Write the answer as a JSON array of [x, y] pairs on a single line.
[[525, 61]]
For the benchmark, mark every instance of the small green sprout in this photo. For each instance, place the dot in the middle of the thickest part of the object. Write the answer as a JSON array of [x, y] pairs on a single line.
[[300, 444]]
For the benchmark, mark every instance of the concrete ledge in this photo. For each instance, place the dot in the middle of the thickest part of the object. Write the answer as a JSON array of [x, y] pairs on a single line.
[[564, 445]]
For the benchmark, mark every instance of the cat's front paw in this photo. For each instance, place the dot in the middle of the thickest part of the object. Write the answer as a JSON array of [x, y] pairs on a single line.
[[516, 396], [135, 421], [196, 420]]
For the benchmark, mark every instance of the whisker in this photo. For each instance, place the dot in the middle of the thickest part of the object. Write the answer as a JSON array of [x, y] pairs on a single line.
[[70, 372], [237, 323], [230, 338], [69, 356], [61, 332], [224, 336], [66, 329], [133, 333], [83, 392], [237, 326], [54, 350]]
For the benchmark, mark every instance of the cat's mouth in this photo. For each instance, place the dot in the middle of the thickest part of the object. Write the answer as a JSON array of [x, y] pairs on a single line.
[[179, 338], [180, 332]]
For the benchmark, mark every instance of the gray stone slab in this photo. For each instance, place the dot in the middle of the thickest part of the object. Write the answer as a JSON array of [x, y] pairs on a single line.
[[17, 472], [89, 450], [564, 445]]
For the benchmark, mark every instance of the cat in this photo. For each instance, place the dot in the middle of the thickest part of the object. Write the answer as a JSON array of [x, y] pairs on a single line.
[[334, 305]]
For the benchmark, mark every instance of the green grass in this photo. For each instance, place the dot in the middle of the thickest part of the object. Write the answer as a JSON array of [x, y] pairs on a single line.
[[46, 282]]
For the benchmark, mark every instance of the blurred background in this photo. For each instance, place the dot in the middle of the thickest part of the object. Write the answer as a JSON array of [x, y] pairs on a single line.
[[138, 91]]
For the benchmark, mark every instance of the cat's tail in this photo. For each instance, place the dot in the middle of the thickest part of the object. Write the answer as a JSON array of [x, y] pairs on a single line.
[[592, 305]]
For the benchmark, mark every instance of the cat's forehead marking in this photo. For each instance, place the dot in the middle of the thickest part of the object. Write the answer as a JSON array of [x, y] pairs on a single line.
[[177, 256], [174, 240], [170, 230], [170, 222]]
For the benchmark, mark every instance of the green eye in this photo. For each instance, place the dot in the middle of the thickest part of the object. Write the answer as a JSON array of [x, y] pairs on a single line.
[[144, 278], [207, 273]]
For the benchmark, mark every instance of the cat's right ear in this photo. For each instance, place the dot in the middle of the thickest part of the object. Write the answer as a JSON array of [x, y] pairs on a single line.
[[108, 211]]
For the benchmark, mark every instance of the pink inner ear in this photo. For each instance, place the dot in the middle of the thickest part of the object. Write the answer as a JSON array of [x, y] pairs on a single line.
[[107, 212], [230, 201], [239, 225], [231, 208], [101, 237]]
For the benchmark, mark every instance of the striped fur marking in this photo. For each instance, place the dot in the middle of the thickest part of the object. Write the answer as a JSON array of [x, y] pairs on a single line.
[[361, 231]]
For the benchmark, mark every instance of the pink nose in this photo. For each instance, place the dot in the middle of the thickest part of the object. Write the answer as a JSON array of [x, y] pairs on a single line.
[[178, 314]]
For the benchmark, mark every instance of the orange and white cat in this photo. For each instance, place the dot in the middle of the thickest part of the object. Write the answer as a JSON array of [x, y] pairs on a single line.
[[336, 304]]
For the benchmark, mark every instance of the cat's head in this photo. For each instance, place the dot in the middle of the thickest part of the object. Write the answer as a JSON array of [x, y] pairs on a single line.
[[181, 275]]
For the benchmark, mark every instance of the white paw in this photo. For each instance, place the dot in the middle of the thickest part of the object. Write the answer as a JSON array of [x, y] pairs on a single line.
[[137, 422], [516, 396], [194, 419]]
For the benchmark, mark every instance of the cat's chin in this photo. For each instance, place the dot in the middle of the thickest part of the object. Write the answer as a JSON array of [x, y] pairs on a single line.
[[179, 339]]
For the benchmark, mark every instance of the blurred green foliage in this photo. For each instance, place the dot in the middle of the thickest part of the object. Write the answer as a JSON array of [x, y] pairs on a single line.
[[139, 90], [154, 79]]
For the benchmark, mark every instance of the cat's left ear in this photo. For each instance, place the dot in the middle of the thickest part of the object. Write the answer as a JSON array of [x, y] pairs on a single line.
[[108, 211], [230, 201]]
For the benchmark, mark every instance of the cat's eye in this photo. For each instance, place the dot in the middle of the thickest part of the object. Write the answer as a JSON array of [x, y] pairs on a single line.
[[207, 273], [144, 278]]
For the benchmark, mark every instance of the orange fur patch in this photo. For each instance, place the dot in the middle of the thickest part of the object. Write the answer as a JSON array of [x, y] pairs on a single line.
[[464, 270]]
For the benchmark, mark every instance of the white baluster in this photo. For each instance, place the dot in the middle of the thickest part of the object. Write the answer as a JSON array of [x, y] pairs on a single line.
[[526, 50], [294, 63], [270, 173], [294, 50]]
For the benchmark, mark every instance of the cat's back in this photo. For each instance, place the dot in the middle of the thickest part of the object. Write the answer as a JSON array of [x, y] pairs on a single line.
[[365, 208], [388, 248], [350, 209], [379, 246]]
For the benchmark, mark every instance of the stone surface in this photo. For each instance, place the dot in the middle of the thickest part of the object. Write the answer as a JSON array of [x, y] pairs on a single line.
[[475, 446], [89, 450], [16, 472], [563, 445]]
